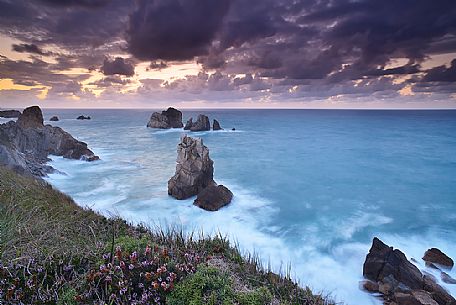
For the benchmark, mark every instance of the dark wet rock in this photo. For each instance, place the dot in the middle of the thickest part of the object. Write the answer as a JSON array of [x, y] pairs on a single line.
[[233, 129], [31, 117], [194, 169], [9, 114], [399, 281], [169, 118], [216, 125], [189, 124], [446, 278], [81, 117], [369, 285], [437, 257], [54, 119], [202, 124], [213, 197], [26, 144], [383, 261]]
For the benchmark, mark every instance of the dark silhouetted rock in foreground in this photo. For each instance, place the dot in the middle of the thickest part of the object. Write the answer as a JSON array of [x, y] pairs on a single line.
[[54, 119], [170, 118], [202, 124], [194, 169], [81, 117], [216, 125], [26, 144], [399, 281], [9, 114], [213, 197], [435, 256]]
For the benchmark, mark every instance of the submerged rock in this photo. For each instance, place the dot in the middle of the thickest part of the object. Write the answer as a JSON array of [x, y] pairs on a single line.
[[54, 119], [399, 281], [9, 114], [213, 197], [169, 118], [194, 169], [435, 256], [81, 117], [216, 125], [26, 144], [446, 278], [202, 124]]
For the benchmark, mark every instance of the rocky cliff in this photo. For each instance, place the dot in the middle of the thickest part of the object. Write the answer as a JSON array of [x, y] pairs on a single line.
[[26, 144]]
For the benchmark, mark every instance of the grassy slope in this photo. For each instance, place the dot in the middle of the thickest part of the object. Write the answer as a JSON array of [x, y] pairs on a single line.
[[40, 223]]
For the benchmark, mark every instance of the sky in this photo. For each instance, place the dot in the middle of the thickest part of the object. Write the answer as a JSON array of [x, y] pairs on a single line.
[[228, 53]]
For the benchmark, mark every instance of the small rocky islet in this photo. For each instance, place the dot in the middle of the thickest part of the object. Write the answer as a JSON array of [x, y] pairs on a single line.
[[195, 176], [172, 118]]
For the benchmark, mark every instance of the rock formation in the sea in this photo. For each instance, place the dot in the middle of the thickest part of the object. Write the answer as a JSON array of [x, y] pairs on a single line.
[[434, 257], [9, 114], [54, 119], [194, 169], [26, 144], [213, 197], [81, 117], [216, 125], [233, 129], [194, 176], [389, 273], [202, 124], [169, 118]]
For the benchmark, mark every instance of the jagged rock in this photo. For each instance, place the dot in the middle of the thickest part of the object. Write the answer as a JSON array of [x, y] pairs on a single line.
[[54, 119], [437, 257], [9, 114], [399, 280], [81, 117], [213, 197], [446, 278], [202, 124], [216, 125], [169, 118], [383, 261], [26, 144], [189, 124], [194, 169]]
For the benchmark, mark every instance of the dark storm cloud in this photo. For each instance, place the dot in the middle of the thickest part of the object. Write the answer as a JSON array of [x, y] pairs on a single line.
[[441, 73], [28, 48], [84, 3], [314, 45], [117, 66], [174, 29]]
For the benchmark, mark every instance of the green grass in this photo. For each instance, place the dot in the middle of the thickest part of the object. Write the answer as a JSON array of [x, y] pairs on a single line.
[[41, 225]]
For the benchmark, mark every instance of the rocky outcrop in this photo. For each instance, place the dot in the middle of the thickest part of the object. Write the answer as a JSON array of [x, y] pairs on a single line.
[[202, 124], [81, 117], [54, 119], [216, 125], [399, 281], [189, 124], [437, 257], [194, 169], [26, 144], [194, 176], [9, 114], [213, 197], [170, 118]]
